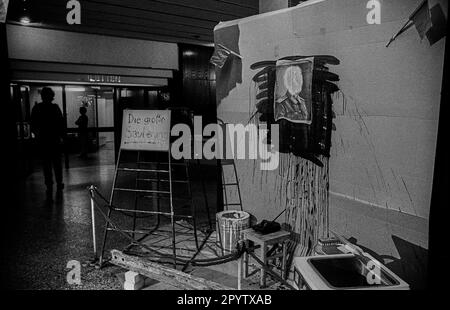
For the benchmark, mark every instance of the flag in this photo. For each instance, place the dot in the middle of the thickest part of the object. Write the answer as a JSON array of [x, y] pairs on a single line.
[[221, 55], [439, 24], [429, 22], [421, 18], [3, 10]]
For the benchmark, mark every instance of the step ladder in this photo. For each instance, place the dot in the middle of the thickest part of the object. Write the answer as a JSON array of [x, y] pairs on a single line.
[[162, 174], [226, 186]]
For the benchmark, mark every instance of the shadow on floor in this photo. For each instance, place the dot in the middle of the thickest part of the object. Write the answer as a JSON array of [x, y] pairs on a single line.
[[411, 266]]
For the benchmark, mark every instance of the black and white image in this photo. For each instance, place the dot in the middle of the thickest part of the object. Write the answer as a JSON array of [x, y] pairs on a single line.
[[255, 147]]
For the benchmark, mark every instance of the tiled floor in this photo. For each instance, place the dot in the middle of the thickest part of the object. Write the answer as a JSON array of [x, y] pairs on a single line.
[[47, 235], [50, 234]]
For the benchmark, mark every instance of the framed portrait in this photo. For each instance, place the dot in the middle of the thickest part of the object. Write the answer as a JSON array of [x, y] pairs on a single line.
[[293, 90]]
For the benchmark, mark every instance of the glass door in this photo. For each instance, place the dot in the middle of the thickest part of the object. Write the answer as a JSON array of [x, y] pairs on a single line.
[[20, 98], [94, 104], [103, 109]]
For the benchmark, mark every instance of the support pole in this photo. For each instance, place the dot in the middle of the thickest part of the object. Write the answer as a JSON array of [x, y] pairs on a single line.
[[240, 263], [136, 195], [172, 213], [105, 234], [193, 208], [94, 236]]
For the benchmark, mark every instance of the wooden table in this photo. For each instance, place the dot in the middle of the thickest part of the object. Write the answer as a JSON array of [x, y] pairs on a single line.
[[264, 241]]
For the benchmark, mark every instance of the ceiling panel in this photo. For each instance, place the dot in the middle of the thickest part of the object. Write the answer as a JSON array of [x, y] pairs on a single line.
[[183, 21]]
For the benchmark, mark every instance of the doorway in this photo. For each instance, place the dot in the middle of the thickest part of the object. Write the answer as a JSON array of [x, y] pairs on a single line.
[[98, 102], [104, 106]]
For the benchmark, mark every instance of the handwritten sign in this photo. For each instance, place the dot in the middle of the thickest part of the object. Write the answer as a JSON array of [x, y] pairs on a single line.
[[146, 130]]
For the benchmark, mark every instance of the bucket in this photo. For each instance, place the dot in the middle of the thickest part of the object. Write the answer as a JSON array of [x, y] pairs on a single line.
[[229, 228]]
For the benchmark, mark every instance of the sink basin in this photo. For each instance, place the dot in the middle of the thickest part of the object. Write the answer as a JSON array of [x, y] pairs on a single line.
[[347, 272], [344, 271]]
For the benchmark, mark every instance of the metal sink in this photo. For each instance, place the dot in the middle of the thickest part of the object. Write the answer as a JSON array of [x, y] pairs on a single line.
[[345, 271]]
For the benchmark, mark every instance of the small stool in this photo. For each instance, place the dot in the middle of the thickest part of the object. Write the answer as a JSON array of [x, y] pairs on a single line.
[[264, 241]]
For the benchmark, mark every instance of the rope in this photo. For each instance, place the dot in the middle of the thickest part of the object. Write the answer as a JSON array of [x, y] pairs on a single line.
[[197, 262], [120, 211], [240, 249]]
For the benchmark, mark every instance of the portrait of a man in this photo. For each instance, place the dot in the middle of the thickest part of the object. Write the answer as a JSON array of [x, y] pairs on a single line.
[[293, 90]]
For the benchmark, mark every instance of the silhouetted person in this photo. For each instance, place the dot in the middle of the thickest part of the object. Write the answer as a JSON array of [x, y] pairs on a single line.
[[82, 123], [47, 123]]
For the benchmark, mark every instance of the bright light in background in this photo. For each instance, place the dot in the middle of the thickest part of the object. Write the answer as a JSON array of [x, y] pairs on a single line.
[[189, 53], [25, 20], [76, 89]]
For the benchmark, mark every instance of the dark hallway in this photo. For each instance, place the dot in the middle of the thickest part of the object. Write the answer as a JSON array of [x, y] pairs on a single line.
[[47, 235]]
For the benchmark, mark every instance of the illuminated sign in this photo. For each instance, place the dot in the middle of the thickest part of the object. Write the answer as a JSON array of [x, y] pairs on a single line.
[[100, 78]]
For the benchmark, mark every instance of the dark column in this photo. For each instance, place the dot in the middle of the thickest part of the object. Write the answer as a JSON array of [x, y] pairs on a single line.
[[8, 162], [439, 272]]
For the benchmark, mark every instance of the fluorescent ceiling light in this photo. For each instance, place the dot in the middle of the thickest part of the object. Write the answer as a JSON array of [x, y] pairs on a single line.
[[76, 89], [189, 53]]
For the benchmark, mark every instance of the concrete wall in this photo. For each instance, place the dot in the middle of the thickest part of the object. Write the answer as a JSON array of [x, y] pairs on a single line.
[[39, 44], [383, 151], [272, 5]]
